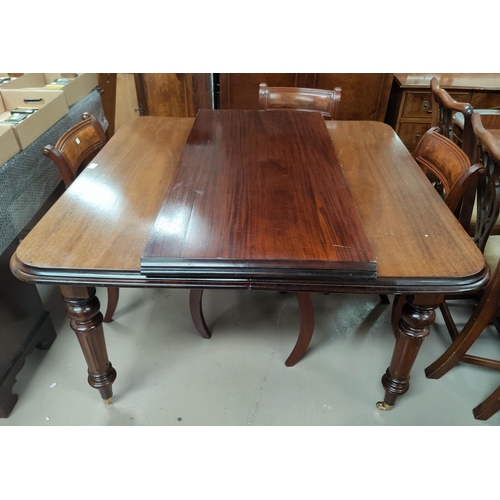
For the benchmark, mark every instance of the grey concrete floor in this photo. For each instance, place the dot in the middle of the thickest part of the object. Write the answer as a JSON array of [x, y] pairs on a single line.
[[169, 376]]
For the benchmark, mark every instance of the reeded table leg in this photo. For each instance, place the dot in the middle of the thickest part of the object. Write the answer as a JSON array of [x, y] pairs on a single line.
[[82, 307], [413, 323]]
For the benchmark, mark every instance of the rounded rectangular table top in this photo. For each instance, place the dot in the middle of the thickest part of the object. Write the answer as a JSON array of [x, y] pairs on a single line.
[[98, 229]]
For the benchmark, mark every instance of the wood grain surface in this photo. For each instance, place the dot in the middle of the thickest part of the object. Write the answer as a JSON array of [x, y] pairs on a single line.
[[255, 193], [413, 233], [96, 232]]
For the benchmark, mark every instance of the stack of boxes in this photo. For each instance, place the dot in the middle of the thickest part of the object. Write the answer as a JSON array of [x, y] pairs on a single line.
[[32, 103]]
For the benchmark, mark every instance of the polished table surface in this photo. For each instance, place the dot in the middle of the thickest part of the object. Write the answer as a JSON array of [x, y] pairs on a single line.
[[96, 234], [252, 196]]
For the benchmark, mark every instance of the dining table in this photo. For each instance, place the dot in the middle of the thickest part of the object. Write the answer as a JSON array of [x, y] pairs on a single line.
[[254, 200]]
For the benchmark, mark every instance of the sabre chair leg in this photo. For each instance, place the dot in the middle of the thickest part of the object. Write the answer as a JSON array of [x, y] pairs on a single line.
[[480, 319], [448, 320], [82, 307], [195, 306], [306, 328], [488, 407], [384, 299], [113, 296]]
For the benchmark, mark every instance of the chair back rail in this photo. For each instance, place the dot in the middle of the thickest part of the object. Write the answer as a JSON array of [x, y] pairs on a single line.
[[76, 147], [301, 99], [447, 165]]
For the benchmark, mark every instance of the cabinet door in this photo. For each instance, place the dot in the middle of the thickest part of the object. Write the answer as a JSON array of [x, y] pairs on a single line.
[[107, 82], [364, 96], [485, 100], [241, 90], [410, 133], [173, 94]]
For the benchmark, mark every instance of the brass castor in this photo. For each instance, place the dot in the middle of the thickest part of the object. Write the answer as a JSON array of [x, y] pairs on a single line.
[[382, 405], [108, 401]]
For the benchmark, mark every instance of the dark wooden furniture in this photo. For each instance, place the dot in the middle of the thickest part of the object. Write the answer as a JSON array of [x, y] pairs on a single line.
[[279, 98], [488, 306], [454, 120], [444, 108], [261, 160], [447, 165], [300, 99], [451, 173], [25, 324], [364, 95], [409, 110], [29, 185], [173, 94], [73, 152], [107, 83], [423, 257], [490, 119]]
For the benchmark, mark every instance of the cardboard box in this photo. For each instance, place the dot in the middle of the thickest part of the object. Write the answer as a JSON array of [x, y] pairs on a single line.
[[8, 143], [50, 110], [75, 90], [6, 75]]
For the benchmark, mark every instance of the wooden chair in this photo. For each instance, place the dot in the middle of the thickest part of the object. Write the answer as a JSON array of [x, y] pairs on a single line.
[[487, 310], [444, 108], [300, 99], [448, 167], [71, 154]]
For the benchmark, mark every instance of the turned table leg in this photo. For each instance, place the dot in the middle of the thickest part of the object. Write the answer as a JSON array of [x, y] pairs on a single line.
[[413, 321], [82, 307]]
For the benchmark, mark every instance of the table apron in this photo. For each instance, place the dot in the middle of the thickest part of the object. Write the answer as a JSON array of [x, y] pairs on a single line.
[[380, 285]]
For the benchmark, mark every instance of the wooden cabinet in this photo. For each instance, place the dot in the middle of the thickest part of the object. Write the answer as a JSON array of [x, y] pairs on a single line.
[[24, 323], [107, 82], [364, 95], [409, 109], [174, 94]]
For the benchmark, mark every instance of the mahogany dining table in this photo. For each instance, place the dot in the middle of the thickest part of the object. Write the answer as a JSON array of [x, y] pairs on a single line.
[[97, 232]]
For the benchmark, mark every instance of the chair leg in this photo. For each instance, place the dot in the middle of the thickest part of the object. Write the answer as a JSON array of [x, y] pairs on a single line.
[[448, 320], [306, 328], [113, 296], [384, 299], [480, 319], [488, 407], [195, 306], [397, 305]]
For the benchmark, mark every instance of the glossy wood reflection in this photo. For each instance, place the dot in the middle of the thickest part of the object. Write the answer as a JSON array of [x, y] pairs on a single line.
[[412, 232], [256, 190], [86, 238]]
